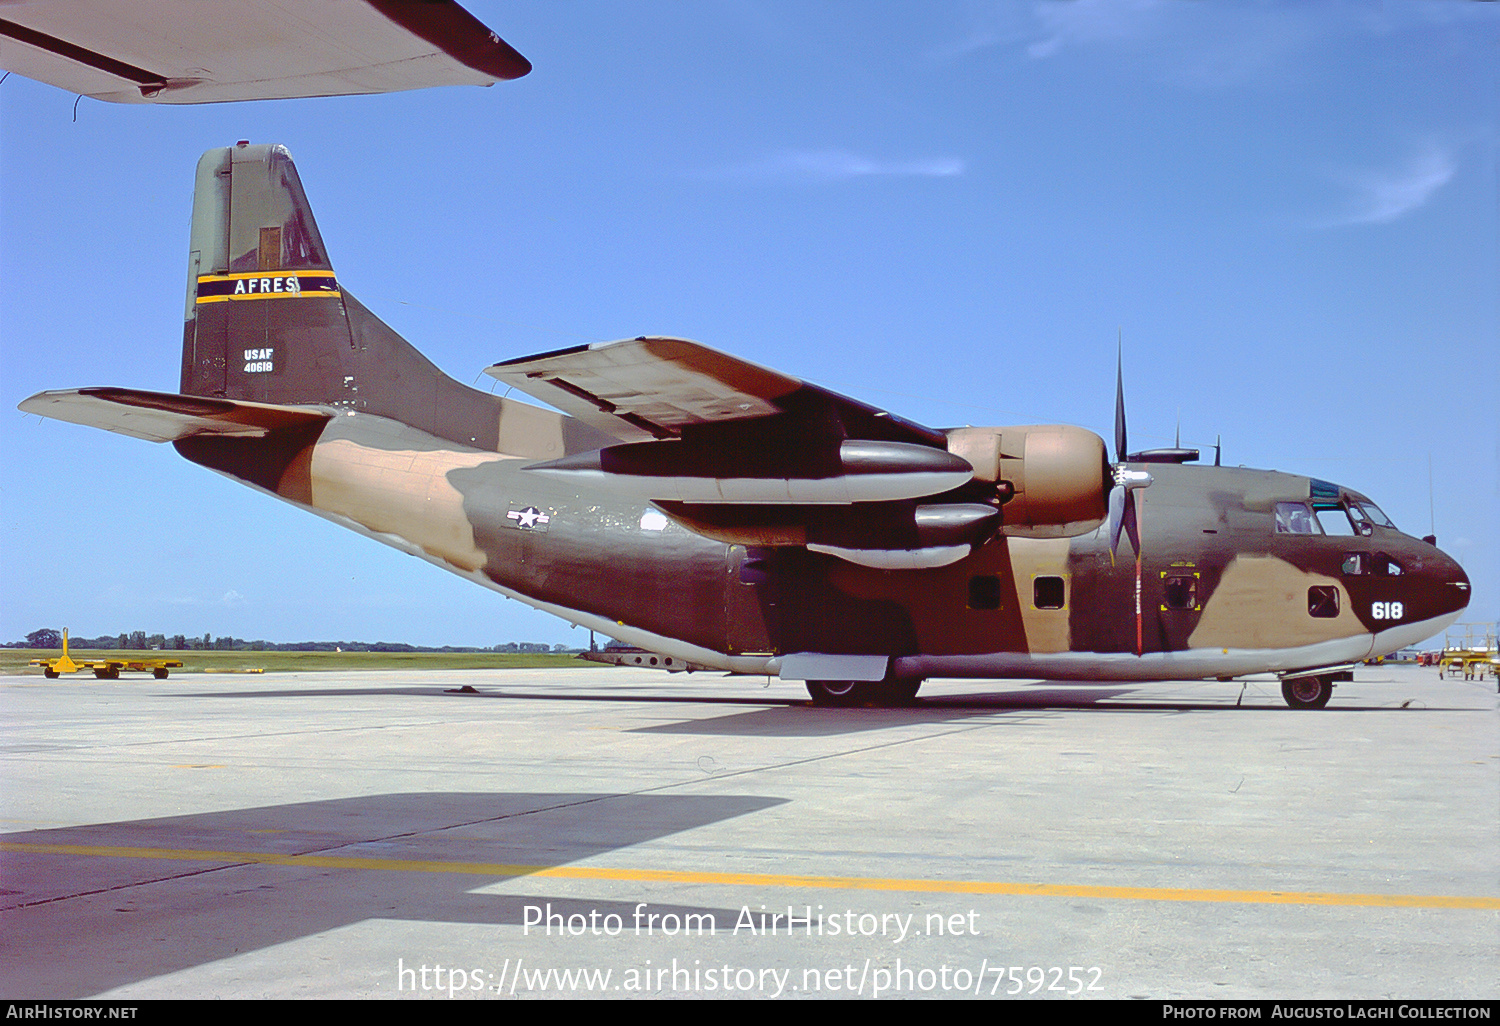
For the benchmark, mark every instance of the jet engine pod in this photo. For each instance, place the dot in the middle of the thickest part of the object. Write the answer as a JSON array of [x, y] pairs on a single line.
[[853, 470], [1058, 475], [887, 535]]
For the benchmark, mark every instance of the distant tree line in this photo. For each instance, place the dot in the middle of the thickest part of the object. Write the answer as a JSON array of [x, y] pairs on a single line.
[[141, 641]]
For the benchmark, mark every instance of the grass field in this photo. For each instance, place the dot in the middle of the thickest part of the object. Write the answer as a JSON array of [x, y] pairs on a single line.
[[14, 660]]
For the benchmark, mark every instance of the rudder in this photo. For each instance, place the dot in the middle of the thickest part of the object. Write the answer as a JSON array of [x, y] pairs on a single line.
[[265, 318], [267, 321]]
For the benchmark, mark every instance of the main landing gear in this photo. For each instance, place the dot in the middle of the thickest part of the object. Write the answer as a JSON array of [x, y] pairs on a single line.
[[891, 691], [1307, 692]]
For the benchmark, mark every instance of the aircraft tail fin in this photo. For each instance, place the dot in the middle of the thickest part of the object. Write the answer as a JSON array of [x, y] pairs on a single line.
[[268, 321]]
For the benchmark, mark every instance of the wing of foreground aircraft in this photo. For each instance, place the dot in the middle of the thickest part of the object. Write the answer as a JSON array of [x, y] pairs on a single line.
[[189, 51]]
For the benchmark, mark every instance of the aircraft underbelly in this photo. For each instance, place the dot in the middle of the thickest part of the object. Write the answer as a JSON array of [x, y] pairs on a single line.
[[1193, 664]]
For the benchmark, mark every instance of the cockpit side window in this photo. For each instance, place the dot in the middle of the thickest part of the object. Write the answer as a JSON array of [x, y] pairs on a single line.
[[1333, 519], [1356, 563], [1386, 566], [1295, 518]]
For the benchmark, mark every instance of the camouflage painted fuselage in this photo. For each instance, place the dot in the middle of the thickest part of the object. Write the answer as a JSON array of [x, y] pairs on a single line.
[[1221, 592]]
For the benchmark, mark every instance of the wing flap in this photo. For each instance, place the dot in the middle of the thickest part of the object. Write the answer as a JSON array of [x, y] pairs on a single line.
[[645, 388], [648, 387], [168, 417]]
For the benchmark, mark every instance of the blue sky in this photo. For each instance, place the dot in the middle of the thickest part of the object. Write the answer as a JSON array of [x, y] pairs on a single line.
[[947, 209]]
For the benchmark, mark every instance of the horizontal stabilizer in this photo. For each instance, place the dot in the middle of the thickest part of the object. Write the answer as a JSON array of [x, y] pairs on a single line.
[[168, 417]]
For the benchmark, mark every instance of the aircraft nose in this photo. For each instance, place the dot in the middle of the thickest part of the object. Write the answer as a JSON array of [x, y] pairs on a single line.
[[1451, 583]]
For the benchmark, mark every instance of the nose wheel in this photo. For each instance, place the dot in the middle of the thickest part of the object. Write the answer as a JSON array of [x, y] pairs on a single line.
[[1307, 692]]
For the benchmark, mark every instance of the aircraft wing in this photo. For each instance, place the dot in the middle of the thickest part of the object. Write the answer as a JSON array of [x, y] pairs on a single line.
[[749, 456], [189, 51], [167, 417], [644, 388]]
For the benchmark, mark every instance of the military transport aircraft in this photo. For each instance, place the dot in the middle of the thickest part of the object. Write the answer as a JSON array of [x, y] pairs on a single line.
[[732, 516]]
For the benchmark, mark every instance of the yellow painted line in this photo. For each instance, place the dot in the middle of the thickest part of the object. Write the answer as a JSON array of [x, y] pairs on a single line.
[[848, 883], [269, 295], [282, 273]]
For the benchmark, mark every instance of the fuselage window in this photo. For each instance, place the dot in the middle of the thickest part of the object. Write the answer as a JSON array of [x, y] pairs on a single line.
[[1048, 592], [984, 592], [1386, 566], [1180, 593], [1295, 518], [1356, 563], [1323, 601]]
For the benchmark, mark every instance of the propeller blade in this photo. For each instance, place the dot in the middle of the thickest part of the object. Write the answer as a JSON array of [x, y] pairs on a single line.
[[1120, 447], [1122, 514], [1117, 496]]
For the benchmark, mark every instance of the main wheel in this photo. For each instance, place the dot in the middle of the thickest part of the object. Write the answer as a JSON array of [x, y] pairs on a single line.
[[1307, 692], [838, 692], [900, 691]]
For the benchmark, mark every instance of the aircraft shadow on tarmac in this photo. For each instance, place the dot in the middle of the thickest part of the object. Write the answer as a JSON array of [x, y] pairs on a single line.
[[81, 922], [784, 717]]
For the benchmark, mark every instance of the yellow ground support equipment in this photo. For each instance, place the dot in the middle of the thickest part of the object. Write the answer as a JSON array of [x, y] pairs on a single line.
[[1472, 649], [104, 669]]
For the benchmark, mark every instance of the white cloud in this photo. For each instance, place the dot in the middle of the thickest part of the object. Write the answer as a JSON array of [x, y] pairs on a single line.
[[834, 165], [1379, 196], [1200, 44], [1083, 22]]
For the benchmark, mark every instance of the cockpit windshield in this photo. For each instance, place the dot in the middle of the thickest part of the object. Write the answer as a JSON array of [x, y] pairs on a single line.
[[1371, 512], [1325, 516], [1330, 509]]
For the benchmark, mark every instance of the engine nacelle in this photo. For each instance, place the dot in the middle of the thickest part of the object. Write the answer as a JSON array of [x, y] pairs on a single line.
[[1058, 476]]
